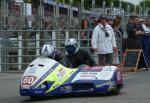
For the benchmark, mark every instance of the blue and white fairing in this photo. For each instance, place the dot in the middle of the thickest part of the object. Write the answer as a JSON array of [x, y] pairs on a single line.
[[47, 77], [95, 79]]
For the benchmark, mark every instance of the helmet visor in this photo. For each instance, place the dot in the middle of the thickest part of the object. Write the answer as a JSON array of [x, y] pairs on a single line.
[[71, 49]]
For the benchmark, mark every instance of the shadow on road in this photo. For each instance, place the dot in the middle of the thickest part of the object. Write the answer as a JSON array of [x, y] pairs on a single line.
[[64, 96]]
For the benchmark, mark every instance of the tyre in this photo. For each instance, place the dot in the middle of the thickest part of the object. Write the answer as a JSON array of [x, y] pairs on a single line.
[[116, 90]]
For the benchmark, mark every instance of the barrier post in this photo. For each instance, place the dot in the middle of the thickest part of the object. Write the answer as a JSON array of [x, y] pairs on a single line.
[[37, 44], [19, 51], [54, 38]]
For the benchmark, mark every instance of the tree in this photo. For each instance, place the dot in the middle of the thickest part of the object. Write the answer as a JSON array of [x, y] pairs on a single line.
[[144, 4], [87, 4], [35, 3], [99, 3], [28, 1]]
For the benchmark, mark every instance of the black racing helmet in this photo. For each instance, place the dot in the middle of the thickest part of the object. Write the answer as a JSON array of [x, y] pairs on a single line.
[[71, 46]]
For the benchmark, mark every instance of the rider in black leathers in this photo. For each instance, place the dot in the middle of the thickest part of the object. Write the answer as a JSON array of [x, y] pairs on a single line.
[[76, 56]]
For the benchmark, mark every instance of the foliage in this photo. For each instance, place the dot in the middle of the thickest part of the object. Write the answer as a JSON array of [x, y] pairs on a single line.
[[98, 3], [145, 3], [35, 3], [143, 6]]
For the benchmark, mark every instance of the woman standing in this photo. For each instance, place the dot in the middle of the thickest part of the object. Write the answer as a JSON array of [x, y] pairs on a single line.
[[85, 33]]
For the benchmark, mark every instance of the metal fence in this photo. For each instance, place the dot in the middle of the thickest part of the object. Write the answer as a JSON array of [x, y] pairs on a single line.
[[19, 49], [22, 35]]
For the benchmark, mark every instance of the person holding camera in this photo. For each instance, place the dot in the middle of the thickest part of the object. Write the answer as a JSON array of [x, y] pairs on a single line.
[[103, 41]]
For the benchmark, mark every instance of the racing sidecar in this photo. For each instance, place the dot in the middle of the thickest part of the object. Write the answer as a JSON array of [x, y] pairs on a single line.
[[44, 77]]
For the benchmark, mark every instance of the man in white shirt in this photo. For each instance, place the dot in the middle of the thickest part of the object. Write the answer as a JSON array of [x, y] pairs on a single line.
[[146, 26], [103, 41], [146, 39]]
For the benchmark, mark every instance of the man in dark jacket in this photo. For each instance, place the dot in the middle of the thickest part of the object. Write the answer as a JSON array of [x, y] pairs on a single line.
[[135, 32], [76, 56]]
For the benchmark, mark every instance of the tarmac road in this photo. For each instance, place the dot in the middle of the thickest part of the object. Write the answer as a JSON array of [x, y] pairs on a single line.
[[136, 90]]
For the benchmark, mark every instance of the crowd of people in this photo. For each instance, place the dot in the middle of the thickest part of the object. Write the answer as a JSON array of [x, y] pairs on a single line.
[[104, 44], [138, 36], [100, 35]]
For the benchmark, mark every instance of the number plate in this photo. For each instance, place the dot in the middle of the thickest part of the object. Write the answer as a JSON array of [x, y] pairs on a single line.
[[28, 80]]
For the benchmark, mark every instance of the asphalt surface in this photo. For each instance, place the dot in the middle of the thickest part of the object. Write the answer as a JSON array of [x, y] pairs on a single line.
[[136, 90]]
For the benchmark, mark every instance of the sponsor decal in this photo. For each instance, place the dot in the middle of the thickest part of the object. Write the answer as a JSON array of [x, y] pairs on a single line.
[[25, 87], [102, 75], [88, 74], [28, 80], [61, 73], [103, 84]]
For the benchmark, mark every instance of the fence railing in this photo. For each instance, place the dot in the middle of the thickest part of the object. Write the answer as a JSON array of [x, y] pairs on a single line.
[[19, 47]]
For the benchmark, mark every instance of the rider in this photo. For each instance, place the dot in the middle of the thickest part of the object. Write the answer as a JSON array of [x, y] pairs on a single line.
[[77, 56], [49, 51]]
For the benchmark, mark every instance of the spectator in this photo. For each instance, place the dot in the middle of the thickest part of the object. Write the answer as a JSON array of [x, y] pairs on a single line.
[[85, 33], [119, 32], [119, 38], [110, 21], [93, 22], [141, 21], [129, 25], [130, 22], [103, 41], [135, 31], [117, 25], [77, 56], [146, 39], [49, 51], [117, 22]]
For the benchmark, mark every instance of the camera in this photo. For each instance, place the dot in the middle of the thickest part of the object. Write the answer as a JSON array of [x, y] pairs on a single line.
[[106, 34]]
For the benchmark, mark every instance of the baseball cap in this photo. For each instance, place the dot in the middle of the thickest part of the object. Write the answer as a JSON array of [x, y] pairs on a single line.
[[103, 16]]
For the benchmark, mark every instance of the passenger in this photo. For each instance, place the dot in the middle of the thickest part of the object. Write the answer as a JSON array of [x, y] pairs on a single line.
[[49, 51], [77, 56]]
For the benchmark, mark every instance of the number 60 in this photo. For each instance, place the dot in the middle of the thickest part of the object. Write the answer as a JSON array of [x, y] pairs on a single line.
[[28, 80]]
